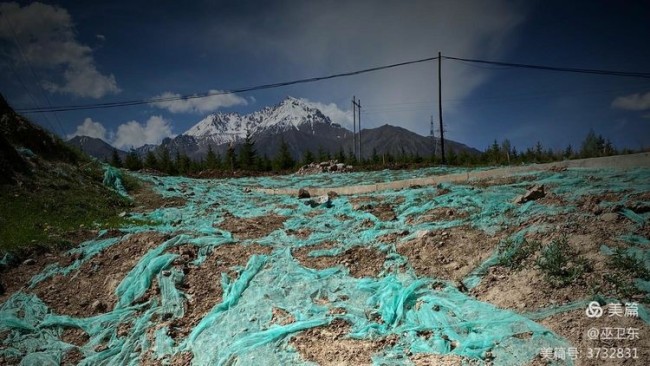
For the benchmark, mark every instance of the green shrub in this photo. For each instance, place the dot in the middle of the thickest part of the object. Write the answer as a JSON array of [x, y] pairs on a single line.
[[513, 254], [560, 265]]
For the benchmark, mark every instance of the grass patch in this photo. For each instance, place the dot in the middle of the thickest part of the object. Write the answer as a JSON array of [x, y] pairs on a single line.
[[624, 287], [626, 268], [560, 265], [54, 207], [513, 254], [631, 265]]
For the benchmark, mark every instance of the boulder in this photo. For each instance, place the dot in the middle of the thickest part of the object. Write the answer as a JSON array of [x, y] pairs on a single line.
[[609, 217], [324, 167], [534, 193], [303, 193], [98, 307]]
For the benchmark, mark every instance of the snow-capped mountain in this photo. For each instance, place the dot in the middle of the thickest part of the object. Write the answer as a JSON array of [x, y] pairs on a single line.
[[302, 126], [290, 114]]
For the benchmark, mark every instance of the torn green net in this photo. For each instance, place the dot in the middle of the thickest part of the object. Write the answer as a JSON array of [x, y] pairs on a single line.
[[239, 329], [113, 179]]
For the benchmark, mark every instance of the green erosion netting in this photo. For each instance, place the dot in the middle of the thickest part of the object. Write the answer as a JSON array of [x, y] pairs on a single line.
[[113, 179], [239, 329]]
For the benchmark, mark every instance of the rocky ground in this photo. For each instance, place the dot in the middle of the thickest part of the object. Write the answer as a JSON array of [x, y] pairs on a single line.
[[430, 249]]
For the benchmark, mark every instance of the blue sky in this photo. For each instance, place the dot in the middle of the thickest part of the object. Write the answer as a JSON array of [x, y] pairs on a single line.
[[71, 52]]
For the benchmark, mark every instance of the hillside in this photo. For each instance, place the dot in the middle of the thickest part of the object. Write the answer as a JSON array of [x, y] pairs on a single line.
[[50, 194]]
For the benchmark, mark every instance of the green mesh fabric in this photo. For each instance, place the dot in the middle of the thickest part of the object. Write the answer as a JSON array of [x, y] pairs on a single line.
[[239, 329], [113, 179]]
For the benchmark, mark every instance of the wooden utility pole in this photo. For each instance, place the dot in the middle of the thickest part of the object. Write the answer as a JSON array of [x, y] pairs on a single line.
[[442, 132], [359, 109], [354, 126], [433, 139], [356, 107]]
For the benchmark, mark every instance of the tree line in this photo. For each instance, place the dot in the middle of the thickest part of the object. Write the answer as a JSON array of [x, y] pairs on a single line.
[[247, 159]]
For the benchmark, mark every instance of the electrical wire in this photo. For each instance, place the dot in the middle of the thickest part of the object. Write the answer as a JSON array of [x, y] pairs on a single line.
[[210, 94], [33, 73], [645, 75], [333, 76]]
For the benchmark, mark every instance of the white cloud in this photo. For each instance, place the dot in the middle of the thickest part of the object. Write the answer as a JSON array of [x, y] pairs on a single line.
[[337, 115], [198, 105], [90, 128], [364, 34], [633, 102], [134, 134], [48, 42]]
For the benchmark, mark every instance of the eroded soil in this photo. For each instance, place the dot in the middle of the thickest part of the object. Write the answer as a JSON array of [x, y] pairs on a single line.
[[448, 254], [360, 261], [251, 228], [91, 289]]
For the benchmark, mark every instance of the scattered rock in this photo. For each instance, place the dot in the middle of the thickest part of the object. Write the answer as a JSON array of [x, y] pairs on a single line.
[[303, 193], [460, 286], [324, 201], [423, 234], [29, 261], [122, 214], [609, 217], [536, 192], [332, 166], [98, 307]]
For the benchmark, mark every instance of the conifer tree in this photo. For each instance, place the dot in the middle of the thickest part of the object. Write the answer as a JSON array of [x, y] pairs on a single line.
[[211, 161], [133, 161], [283, 159], [116, 161], [247, 153]]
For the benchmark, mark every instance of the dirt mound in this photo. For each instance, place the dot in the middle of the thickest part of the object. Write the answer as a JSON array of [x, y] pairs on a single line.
[[437, 214], [527, 289], [91, 290], [328, 345], [448, 254], [202, 284], [381, 210], [575, 325], [147, 199], [251, 228], [360, 261]]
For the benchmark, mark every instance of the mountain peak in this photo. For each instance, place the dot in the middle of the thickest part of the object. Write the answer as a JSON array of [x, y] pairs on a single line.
[[290, 113]]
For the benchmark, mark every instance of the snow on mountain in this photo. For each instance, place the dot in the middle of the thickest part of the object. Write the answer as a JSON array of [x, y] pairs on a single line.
[[291, 113]]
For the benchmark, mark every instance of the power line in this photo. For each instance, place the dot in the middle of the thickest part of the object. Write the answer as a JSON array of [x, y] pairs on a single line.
[[26, 61], [209, 94], [127, 103], [553, 68]]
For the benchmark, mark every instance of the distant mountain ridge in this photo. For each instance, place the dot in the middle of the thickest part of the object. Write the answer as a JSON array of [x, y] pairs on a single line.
[[96, 147], [299, 123], [291, 113]]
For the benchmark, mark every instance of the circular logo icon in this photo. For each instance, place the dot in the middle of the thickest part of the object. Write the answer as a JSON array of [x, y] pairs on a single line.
[[594, 310], [593, 333]]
